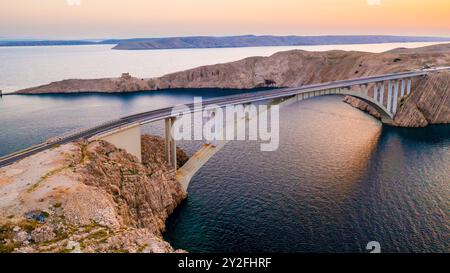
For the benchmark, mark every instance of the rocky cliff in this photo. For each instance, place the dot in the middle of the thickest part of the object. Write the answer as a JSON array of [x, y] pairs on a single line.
[[297, 67], [88, 197], [284, 69], [429, 104]]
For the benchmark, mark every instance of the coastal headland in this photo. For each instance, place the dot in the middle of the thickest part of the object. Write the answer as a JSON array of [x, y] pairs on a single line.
[[430, 105], [89, 197]]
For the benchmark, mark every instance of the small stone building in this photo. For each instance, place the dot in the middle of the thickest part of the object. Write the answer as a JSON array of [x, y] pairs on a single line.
[[126, 76]]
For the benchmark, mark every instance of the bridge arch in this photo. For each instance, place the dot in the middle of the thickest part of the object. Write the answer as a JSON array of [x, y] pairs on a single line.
[[201, 157], [386, 116]]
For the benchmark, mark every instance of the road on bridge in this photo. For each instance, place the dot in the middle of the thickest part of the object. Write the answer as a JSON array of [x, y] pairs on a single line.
[[164, 113]]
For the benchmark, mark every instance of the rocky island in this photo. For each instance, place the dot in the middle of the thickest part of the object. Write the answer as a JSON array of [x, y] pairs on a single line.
[[430, 105], [89, 197]]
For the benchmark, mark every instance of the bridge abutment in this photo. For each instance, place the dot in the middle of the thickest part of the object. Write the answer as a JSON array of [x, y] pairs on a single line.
[[127, 138]]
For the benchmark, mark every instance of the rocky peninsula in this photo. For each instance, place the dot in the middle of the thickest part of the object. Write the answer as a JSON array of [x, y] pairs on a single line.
[[296, 68], [263, 40], [89, 197]]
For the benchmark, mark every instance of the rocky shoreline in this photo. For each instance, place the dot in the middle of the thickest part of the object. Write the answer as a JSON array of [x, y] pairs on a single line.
[[89, 197], [289, 69]]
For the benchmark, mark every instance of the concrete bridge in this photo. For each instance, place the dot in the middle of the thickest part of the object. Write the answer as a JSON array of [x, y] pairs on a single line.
[[383, 92]]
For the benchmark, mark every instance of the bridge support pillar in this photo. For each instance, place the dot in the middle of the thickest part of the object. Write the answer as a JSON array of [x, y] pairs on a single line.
[[402, 91], [127, 138], [365, 89], [382, 93], [408, 88], [389, 98], [394, 104], [375, 92], [171, 147]]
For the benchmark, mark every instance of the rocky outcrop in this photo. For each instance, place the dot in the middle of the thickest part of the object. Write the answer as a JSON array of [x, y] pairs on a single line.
[[125, 83], [430, 104], [363, 106], [88, 197], [152, 149]]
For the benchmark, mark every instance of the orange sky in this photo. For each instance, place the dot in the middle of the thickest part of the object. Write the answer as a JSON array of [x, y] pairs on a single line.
[[148, 18]]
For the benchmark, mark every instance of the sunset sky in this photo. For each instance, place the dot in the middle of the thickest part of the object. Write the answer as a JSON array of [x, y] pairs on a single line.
[[57, 19]]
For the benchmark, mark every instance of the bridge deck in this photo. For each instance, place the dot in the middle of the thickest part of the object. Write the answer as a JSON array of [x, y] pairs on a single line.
[[164, 113]]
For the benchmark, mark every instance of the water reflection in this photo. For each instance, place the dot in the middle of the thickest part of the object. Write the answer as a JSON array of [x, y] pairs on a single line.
[[338, 181]]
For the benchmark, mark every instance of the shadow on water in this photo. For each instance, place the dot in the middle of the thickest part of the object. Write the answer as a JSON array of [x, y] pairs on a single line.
[[185, 92], [433, 134]]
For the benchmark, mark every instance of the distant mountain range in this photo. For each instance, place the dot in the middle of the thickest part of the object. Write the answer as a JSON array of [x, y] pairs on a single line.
[[5, 43], [227, 41]]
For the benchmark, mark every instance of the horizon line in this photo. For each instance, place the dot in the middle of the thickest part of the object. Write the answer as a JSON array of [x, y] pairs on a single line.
[[5, 37]]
